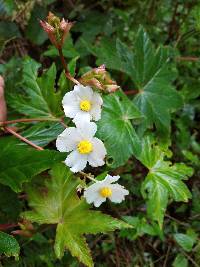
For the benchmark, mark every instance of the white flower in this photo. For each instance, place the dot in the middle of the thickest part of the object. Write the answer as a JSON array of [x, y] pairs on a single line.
[[82, 104], [99, 191], [84, 146]]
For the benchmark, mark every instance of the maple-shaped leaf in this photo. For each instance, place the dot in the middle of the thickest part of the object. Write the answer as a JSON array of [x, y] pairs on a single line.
[[151, 74], [149, 69], [59, 204], [163, 181], [39, 97]]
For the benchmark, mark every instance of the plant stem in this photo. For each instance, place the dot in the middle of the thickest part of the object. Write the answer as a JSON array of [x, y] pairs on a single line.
[[88, 176], [67, 73], [131, 92], [22, 138], [2, 123]]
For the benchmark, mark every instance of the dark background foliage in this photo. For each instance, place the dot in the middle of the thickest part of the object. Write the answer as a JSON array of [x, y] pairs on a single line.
[[175, 25]]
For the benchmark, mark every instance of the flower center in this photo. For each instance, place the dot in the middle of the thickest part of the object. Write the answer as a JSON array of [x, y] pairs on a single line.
[[84, 147], [105, 192], [85, 105]]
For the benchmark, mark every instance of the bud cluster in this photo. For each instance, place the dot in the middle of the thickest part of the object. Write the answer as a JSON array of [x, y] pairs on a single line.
[[56, 29], [100, 79]]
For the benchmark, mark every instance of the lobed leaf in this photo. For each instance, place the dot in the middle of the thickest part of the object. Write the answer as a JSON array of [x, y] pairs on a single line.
[[59, 204], [163, 181]]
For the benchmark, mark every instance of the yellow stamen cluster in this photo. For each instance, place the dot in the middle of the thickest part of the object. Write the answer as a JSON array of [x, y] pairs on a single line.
[[105, 192], [85, 105], [84, 147]]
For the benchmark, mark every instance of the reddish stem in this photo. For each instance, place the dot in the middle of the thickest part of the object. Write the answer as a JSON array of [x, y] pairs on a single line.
[[188, 58], [6, 226], [67, 73], [26, 120], [22, 138], [131, 92]]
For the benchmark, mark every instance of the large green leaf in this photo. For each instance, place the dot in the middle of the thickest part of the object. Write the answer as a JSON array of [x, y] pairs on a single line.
[[156, 98], [9, 245], [116, 130], [40, 98], [149, 69], [18, 164], [164, 180], [60, 205]]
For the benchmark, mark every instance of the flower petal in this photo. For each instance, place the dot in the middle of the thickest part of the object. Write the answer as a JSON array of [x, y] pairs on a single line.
[[99, 201], [96, 157], [111, 179], [97, 99], [83, 92], [118, 193], [91, 193], [96, 112], [67, 140], [86, 129], [70, 104], [81, 117], [76, 161]]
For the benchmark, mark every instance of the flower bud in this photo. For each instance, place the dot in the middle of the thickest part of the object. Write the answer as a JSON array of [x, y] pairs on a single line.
[[56, 29], [100, 79]]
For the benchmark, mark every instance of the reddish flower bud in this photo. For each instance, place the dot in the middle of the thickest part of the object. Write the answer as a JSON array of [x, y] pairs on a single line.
[[57, 30], [100, 79]]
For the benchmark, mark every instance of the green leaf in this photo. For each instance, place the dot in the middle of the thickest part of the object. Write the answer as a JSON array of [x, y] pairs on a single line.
[[72, 65], [150, 71], [40, 99], [156, 98], [164, 180], [9, 245], [107, 54], [185, 241], [42, 133], [60, 205], [34, 32], [18, 164], [180, 261], [10, 205], [140, 227], [116, 130]]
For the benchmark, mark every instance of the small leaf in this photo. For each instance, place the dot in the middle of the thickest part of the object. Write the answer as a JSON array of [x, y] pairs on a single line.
[[180, 261], [116, 130], [185, 241], [9, 245], [164, 180], [60, 205]]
